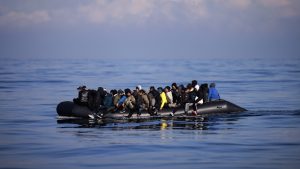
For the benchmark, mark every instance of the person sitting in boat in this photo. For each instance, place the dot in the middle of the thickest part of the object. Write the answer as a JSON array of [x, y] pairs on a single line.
[[182, 94], [175, 93], [178, 95], [135, 92], [190, 98], [129, 102], [199, 98], [92, 100], [142, 101], [205, 90], [169, 97], [163, 98], [117, 97], [120, 103], [194, 83], [213, 94], [114, 93], [154, 99], [108, 100], [100, 96], [82, 96]]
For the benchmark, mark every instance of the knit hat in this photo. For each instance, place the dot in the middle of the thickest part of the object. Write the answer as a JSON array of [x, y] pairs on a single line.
[[139, 87]]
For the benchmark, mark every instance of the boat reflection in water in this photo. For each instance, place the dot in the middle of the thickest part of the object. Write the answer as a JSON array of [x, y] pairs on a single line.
[[166, 123]]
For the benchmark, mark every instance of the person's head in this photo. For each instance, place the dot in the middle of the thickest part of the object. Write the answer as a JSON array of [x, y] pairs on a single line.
[[152, 88], [127, 92], [212, 85], [174, 86], [160, 89], [138, 87], [194, 83], [181, 87], [81, 88], [101, 91], [167, 89], [113, 92], [204, 85], [120, 92], [142, 91]]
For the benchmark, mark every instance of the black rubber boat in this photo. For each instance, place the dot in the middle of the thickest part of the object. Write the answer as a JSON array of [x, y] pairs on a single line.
[[69, 109]]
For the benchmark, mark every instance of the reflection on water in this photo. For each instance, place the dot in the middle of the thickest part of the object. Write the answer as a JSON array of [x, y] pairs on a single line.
[[166, 123]]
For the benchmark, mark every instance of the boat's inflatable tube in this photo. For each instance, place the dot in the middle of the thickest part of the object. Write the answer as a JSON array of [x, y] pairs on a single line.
[[70, 109]]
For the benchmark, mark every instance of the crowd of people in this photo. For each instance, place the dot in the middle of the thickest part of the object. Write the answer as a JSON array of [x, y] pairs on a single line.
[[152, 101]]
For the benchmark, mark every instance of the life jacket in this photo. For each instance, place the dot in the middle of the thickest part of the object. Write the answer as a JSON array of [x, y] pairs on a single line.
[[176, 96], [163, 99]]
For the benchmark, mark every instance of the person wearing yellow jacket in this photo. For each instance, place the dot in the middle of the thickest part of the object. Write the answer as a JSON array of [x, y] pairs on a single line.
[[163, 98]]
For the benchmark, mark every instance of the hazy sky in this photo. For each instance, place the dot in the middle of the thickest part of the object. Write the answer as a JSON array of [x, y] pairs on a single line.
[[149, 28]]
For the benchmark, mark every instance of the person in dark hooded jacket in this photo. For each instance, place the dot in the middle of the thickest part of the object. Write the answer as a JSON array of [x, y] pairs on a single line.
[[108, 100], [92, 100], [190, 98], [142, 102], [204, 88], [175, 94], [154, 99], [100, 96]]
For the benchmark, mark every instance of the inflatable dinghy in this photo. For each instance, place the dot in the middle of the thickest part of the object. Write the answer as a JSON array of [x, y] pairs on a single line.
[[68, 108]]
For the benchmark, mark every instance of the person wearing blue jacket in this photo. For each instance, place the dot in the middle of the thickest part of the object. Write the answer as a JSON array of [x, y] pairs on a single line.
[[213, 93], [121, 101]]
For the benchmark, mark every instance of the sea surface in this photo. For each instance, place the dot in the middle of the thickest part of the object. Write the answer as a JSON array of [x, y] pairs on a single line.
[[32, 136]]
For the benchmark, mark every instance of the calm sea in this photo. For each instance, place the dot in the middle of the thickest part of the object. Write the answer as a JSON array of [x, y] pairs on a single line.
[[267, 136]]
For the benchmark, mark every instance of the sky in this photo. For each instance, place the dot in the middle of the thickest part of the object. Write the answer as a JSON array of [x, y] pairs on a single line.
[[154, 29]]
